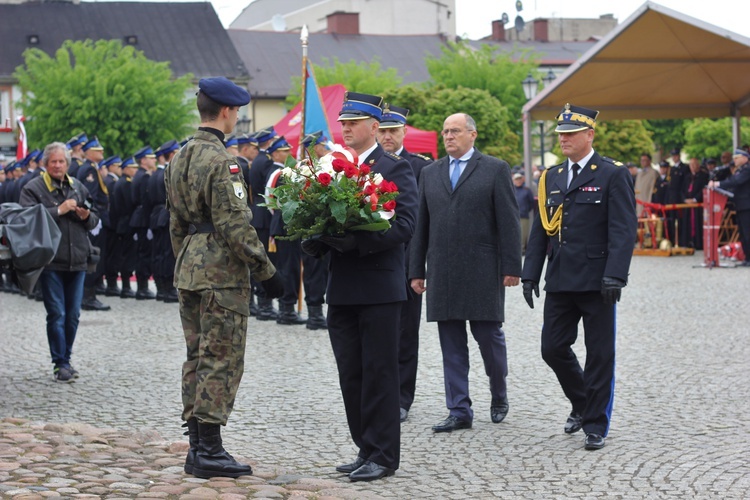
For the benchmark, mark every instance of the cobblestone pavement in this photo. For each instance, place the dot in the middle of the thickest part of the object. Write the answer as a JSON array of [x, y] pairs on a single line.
[[679, 428]]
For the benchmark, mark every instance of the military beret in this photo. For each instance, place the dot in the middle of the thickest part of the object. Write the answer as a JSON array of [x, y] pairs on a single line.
[[77, 140], [741, 152], [575, 119], [144, 152], [360, 106], [279, 144], [393, 116], [168, 147], [93, 144], [223, 91], [313, 139]]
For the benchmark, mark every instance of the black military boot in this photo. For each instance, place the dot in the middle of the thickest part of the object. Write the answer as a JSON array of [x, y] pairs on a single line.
[[170, 292], [159, 288], [90, 302], [266, 312], [143, 292], [192, 434], [212, 460], [127, 292], [99, 287], [315, 318], [288, 316], [112, 289]]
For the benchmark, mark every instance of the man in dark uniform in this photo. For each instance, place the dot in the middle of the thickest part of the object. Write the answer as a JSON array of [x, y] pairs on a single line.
[[391, 137], [110, 169], [585, 230], [363, 321], [140, 220], [678, 178], [89, 175], [75, 144], [315, 270], [216, 250], [260, 169], [739, 184], [162, 261], [122, 210]]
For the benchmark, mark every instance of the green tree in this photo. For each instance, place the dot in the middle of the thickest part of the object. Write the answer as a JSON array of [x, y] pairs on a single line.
[[428, 108], [104, 89], [364, 77], [499, 73], [667, 134], [708, 137], [621, 140]]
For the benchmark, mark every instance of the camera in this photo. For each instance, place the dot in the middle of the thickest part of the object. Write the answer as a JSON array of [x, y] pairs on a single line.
[[86, 204]]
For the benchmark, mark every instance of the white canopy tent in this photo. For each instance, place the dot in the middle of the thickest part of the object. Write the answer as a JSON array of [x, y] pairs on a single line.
[[657, 64]]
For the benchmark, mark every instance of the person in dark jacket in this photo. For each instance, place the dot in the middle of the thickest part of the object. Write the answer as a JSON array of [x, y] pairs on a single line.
[[739, 184], [70, 205]]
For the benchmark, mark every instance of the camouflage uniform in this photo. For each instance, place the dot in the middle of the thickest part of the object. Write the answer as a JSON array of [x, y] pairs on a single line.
[[216, 248]]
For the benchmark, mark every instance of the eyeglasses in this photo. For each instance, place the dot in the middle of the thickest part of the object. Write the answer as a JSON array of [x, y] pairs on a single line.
[[451, 131]]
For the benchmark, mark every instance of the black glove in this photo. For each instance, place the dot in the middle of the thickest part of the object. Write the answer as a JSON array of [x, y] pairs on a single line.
[[313, 246], [528, 287], [611, 289], [273, 286], [340, 243]]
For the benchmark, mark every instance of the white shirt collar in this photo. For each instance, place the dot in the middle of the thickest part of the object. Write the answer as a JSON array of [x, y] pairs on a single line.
[[582, 162]]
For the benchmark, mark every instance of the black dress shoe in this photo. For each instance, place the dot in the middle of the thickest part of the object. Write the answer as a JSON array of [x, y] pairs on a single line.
[[594, 441], [404, 415], [93, 304], [349, 468], [499, 410], [370, 471], [451, 424], [574, 422]]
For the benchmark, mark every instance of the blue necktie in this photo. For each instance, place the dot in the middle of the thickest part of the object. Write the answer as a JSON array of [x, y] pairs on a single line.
[[456, 173]]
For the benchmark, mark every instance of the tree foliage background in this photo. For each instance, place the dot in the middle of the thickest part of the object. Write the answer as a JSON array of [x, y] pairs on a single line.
[[106, 90]]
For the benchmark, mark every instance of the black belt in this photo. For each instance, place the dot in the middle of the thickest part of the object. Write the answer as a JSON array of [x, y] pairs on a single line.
[[201, 227]]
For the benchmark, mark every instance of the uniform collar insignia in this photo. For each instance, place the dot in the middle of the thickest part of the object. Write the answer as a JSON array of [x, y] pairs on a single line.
[[371, 162], [559, 171], [593, 167]]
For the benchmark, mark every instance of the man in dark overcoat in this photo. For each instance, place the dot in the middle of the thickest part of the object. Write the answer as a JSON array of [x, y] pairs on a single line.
[[585, 230], [469, 239]]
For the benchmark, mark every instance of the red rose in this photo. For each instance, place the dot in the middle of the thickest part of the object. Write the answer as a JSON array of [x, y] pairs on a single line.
[[369, 189], [324, 178], [374, 201], [339, 164], [350, 170], [389, 205], [388, 187], [364, 170]]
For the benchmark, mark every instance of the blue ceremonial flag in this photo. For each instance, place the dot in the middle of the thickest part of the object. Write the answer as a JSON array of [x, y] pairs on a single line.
[[315, 114]]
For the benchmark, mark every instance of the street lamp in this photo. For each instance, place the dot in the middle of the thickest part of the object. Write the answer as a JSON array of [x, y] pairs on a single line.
[[530, 87]]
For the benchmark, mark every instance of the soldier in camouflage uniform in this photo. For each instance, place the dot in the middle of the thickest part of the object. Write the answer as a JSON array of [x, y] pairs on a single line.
[[216, 249]]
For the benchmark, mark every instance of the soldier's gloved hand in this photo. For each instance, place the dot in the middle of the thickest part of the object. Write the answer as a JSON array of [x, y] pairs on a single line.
[[313, 246], [340, 243], [273, 286], [528, 287], [611, 289]]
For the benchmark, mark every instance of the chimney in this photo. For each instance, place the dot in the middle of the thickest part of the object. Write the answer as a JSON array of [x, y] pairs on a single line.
[[498, 31], [541, 30], [343, 23]]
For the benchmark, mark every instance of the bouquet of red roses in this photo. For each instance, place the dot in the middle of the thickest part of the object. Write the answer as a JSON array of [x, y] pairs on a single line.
[[331, 195]]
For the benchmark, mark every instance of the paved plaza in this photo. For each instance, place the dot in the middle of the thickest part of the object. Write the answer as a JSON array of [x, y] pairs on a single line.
[[679, 428]]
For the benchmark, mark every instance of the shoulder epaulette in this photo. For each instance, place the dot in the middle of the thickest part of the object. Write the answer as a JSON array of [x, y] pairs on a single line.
[[394, 156], [424, 157], [612, 161]]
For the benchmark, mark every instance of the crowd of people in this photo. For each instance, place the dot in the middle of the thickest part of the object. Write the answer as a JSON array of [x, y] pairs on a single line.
[[193, 216]]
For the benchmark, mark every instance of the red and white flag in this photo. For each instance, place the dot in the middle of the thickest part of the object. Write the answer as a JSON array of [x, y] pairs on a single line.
[[22, 149]]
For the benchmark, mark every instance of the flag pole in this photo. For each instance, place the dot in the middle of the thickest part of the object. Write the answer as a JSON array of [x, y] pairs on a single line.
[[304, 34]]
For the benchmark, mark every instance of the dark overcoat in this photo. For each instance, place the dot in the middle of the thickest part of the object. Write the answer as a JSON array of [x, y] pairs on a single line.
[[597, 232], [467, 238]]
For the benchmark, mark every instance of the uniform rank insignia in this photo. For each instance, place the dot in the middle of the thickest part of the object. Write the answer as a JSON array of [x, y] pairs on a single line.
[[239, 190], [234, 169], [590, 188], [593, 167], [559, 171]]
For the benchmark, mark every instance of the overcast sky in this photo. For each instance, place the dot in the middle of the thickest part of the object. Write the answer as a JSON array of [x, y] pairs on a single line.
[[473, 17]]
